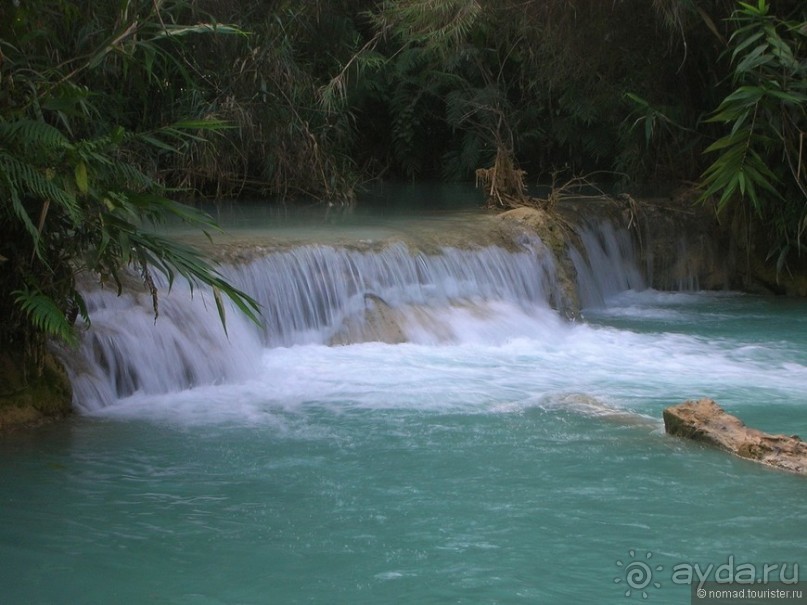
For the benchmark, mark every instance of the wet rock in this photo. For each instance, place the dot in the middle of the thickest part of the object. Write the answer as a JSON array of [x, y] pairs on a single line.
[[707, 422], [31, 395], [557, 235], [379, 322]]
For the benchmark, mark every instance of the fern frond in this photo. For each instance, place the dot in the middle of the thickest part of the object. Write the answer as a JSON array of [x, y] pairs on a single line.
[[12, 193], [25, 135], [44, 314], [172, 258], [26, 180], [127, 176]]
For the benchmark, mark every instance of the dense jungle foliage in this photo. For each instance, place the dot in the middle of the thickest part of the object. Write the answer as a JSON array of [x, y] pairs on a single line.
[[112, 111]]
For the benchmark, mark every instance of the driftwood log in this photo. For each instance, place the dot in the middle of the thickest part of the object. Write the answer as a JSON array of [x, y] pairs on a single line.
[[707, 422]]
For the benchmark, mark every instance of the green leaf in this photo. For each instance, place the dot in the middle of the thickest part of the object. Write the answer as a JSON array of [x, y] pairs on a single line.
[[745, 43], [172, 30], [754, 60], [81, 177], [207, 124], [220, 308], [795, 98], [44, 314], [155, 142]]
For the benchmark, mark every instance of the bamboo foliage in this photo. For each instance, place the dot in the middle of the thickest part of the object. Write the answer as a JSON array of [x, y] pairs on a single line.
[[438, 26], [760, 159], [322, 95], [292, 128]]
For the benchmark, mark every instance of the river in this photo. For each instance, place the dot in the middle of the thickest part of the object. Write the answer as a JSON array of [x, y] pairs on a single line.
[[483, 450]]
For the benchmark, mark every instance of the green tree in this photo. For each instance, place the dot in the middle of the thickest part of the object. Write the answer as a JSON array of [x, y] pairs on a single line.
[[77, 191], [543, 85], [290, 140], [760, 159]]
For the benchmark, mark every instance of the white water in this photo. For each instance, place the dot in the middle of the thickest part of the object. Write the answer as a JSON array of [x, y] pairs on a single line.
[[312, 294], [472, 326], [308, 293], [526, 360], [126, 351]]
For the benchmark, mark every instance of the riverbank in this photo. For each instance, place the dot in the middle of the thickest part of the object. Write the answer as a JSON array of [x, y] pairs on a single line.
[[31, 396]]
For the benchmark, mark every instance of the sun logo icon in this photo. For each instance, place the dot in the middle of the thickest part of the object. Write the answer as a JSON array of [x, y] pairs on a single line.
[[638, 574]]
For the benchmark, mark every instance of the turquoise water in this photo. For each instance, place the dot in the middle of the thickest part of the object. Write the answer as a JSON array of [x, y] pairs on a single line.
[[521, 462]]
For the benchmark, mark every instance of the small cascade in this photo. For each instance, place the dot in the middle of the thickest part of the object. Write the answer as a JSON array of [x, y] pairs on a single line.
[[607, 265], [686, 262], [336, 295], [310, 293], [127, 351]]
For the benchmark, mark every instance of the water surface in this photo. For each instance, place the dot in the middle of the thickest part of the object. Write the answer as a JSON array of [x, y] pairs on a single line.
[[512, 457]]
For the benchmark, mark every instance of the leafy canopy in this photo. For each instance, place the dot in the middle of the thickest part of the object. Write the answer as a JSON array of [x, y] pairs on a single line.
[[75, 195]]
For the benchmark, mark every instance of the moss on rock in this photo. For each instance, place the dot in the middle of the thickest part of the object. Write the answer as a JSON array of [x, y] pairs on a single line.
[[32, 394]]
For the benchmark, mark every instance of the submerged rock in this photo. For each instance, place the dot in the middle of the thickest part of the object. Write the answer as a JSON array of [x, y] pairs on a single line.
[[378, 323], [707, 422]]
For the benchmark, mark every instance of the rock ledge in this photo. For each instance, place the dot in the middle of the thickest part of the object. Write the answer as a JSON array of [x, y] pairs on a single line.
[[707, 422]]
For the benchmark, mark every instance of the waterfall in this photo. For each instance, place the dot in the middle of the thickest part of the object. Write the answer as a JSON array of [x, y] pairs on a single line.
[[125, 350], [607, 264], [308, 293], [332, 295]]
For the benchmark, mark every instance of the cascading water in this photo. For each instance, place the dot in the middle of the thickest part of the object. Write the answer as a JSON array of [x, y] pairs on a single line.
[[310, 293], [606, 265], [495, 453], [127, 351], [327, 294]]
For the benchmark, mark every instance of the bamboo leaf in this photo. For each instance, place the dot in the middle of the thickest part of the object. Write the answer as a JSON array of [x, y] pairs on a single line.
[[155, 142], [745, 43], [206, 124], [172, 30], [755, 59]]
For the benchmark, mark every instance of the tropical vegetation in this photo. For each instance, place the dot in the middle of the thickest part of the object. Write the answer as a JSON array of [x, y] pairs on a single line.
[[80, 163], [111, 114]]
